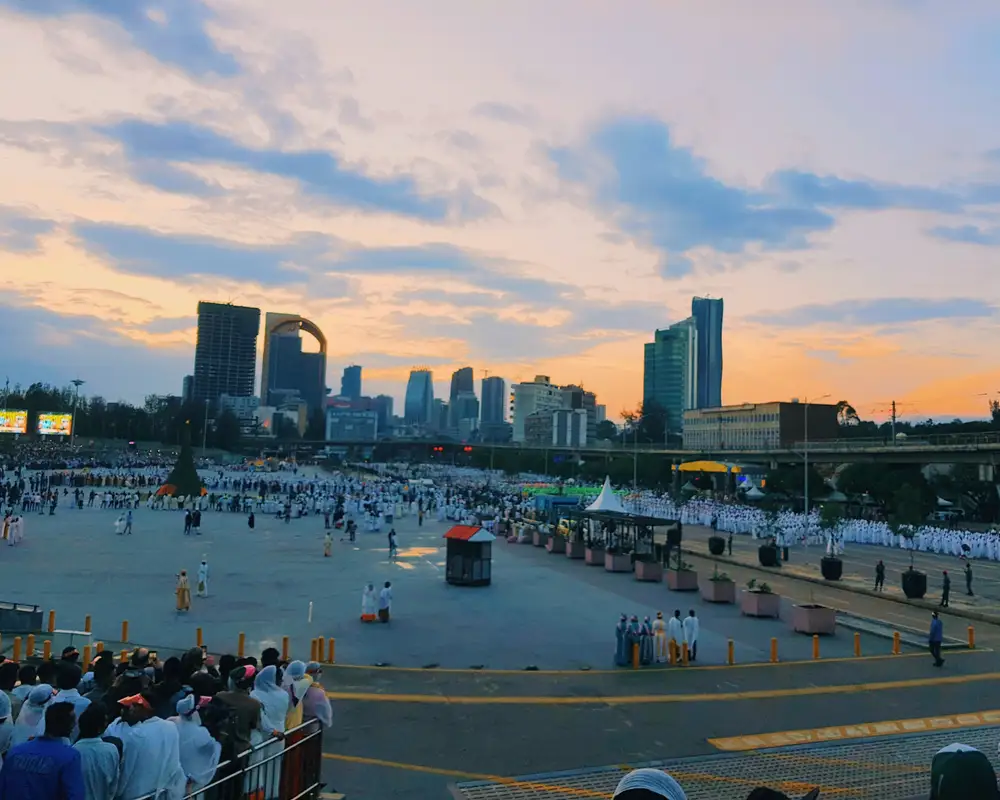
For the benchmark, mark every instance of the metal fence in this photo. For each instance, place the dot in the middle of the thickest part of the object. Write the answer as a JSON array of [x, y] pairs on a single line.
[[278, 769]]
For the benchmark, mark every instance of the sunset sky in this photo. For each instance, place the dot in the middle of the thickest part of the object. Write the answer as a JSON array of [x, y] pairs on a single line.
[[523, 187]]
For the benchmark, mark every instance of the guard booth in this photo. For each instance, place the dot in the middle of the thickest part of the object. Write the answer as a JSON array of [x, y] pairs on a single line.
[[468, 555]]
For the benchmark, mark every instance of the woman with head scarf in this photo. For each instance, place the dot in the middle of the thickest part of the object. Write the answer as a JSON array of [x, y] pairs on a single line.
[[621, 643], [296, 682], [32, 713], [199, 751], [648, 784], [274, 703], [316, 705], [368, 603]]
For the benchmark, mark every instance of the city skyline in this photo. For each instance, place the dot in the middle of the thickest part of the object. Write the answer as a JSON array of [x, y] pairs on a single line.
[[516, 215]]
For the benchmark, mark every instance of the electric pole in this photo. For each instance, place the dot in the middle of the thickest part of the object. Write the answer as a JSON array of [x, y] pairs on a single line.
[[894, 422]]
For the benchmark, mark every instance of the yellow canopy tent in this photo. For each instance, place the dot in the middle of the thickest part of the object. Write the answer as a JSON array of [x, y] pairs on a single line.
[[709, 466]]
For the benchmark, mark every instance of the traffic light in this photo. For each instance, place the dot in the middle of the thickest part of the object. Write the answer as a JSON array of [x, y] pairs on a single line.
[[467, 449], [438, 449]]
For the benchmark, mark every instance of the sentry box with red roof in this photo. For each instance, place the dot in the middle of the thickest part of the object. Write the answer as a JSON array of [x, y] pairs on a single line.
[[468, 555]]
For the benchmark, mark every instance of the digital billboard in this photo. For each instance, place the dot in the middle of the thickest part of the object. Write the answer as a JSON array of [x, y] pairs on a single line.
[[13, 421], [54, 424]]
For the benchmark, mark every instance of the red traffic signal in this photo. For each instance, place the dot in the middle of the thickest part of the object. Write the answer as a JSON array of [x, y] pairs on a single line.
[[467, 449], [438, 449]]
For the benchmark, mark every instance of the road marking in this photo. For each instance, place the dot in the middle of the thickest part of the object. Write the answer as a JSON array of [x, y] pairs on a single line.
[[645, 699], [795, 787], [846, 732]]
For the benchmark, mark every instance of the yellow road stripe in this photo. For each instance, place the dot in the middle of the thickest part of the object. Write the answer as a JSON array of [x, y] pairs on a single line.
[[786, 786], [626, 671], [848, 732], [704, 697]]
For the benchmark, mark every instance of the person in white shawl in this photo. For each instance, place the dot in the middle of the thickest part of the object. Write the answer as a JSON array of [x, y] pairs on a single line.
[[316, 705], [296, 683], [31, 714], [274, 708], [6, 724], [369, 602], [151, 760], [199, 751]]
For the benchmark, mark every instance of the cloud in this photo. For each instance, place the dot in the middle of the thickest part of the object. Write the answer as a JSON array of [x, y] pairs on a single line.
[[154, 149], [170, 324], [504, 112], [22, 233], [488, 337], [174, 33], [462, 140], [877, 312], [807, 190], [968, 234]]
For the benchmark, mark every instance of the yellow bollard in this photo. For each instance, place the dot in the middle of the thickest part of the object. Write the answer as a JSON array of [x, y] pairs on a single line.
[[99, 647], [312, 650], [731, 655], [123, 658], [52, 621], [86, 655], [200, 639], [46, 650], [635, 656], [29, 648], [972, 638], [331, 657], [857, 645], [672, 654], [774, 651], [684, 654], [815, 645], [895, 643], [241, 645], [16, 654], [124, 630], [284, 648], [86, 624]]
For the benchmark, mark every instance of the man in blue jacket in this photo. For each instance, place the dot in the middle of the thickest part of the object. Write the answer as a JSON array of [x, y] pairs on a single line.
[[934, 639], [48, 767]]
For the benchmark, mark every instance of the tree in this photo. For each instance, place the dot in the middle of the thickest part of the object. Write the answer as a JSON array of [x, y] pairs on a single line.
[[227, 431], [790, 479], [646, 424], [284, 429], [607, 430], [316, 429], [995, 413], [846, 415], [908, 513], [184, 476]]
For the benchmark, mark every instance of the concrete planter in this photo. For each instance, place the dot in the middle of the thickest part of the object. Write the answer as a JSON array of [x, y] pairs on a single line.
[[575, 549], [682, 580], [812, 618], [717, 591], [617, 562], [648, 571], [556, 544], [594, 556], [539, 539], [760, 604]]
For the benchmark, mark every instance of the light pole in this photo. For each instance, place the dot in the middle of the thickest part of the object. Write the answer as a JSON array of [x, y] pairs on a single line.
[[635, 456], [76, 402], [204, 432], [805, 457]]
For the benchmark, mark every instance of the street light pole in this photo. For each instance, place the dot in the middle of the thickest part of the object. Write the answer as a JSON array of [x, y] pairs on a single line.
[[76, 402], [635, 458], [805, 458], [204, 432]]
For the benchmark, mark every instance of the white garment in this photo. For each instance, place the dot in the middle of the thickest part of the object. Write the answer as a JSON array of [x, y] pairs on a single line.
[[274, 709], [203, 580], [675, 630], [691, 626], [385, 598], [368, 601], [151, 760], [199, 752]]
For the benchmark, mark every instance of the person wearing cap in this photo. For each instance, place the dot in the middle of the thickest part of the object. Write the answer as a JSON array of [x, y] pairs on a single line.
[[70, 655], [151, 763], [648, 784], [199, 752], [46, 767], [960, 772], [296, 682]]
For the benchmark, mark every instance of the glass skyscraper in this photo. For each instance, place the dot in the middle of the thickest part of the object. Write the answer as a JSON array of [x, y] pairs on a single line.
[[225, 357], [419, 397], [350, 382], [670, 372], [707, 315]]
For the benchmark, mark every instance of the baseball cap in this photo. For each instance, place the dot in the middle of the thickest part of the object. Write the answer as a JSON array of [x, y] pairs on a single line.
[[960, 772]]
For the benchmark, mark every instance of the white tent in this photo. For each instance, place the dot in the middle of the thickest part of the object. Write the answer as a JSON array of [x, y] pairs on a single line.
[[942, 503], [754, 493], [607, 500]]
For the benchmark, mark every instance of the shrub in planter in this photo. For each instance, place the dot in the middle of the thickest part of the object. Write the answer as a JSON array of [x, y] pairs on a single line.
[[648, 569], [593, 555], [767, 554], [556, 544], [719, 588], [716, 545], [575, 549], [760, 601], [616, 561], [914, 584], [813, 618], [832, 568], [681, 578]]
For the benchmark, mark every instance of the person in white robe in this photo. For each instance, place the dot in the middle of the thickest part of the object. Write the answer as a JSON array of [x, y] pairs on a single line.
[[203, 578], [691, 625], [274, 703], [675, 631], [151, 759], [32, 714], [99, 760], [368, 603], [316, 705], [199, 752], [660, 638]]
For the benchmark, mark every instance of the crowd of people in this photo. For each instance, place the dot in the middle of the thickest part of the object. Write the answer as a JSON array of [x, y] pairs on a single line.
[[141, 728]]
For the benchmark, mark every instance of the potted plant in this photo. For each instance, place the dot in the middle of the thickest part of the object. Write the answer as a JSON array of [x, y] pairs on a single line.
[[576, 547], [617, 561], [719, 588], [556, 543], [768, 554], [830, 519], [680, 577], [647, 568], [813, 618], [759, 601], [593, 553], [908, 514], [540, 537], [716, 545]]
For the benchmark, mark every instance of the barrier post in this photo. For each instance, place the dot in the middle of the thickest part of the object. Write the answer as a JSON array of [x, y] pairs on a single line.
[[29, 648], [672, 654], [284, 648], [635, 656], [199, 637], [46, 650], [86, 624], [99, 647], [123, 657], [895, 643], [774, 651], [331, 651], [86, 655], [857, 645], [241, 644], [124, 630], [312, 650], [16, 654], [730, 655], [972, 638], [815, 645], [684, 654], [52, 621]]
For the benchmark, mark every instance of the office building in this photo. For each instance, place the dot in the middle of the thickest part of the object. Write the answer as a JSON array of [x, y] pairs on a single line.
[[350, 382], [707, 316], [462, 382], [351, 425], [440, 418], [759, 426], [602, 413], [576, 398], [383, 404], [419, 397], [464, 412], [537, 427], [529, 397], [288, 374], [225, 356], [670, 372], [492, 393], [187, 388], [569, 427]]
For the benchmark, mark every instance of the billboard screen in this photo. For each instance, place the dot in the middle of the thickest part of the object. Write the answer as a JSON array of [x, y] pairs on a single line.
[[13, 421], [54, 424]]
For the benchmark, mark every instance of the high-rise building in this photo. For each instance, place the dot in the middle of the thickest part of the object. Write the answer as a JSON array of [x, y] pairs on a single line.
[[462, 381], [670, 372], [439, 415], [532, 396], [225, 357], [707, 315], [464, 413], [419, 397], [350, 383], [492, 391], [576, 398], [187, 388], [290, 375], [383, 408]]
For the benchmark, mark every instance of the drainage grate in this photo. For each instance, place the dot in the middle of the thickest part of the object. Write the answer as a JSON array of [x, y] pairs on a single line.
[[896, 768]]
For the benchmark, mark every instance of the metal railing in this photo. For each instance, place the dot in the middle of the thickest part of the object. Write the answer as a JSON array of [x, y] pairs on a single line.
[[288, 768]]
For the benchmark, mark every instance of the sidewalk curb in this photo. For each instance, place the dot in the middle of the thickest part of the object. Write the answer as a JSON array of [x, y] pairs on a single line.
[[977, 616]]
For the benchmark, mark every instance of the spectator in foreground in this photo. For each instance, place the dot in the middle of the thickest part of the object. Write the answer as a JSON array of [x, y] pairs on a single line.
[[648, 784], [767, 793], [67, 679], [6, 725], [199, 751], [960, 772], [47, 767], [26, 682], [99, 760], [32, 713], [8, 680], [151, 762]]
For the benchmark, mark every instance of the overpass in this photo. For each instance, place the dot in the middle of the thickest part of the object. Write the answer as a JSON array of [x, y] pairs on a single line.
[[981, 448]]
